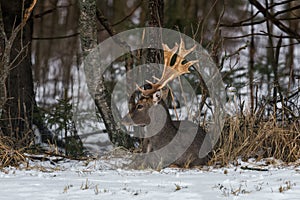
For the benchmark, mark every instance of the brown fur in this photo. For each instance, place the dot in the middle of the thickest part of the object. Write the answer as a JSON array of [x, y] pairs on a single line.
[[147, 117]]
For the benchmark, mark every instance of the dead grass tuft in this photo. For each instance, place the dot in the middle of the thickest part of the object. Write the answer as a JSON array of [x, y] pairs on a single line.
[[247, 137], [9, 156]]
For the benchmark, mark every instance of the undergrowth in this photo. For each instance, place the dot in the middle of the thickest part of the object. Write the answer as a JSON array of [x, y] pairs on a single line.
[[242, 137], [248, 137], [9, 154]]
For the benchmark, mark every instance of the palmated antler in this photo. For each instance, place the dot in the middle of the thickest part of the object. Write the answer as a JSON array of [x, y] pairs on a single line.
[[171, 72]]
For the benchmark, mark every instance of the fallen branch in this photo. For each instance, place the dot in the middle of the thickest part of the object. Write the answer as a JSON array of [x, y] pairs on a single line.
[[254, 168]]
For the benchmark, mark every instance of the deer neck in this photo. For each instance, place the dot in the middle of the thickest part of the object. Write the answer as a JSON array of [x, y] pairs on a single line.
[[161, 121]]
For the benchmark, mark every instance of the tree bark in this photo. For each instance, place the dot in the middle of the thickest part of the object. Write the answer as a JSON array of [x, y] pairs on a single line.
[[251, 67], [88, 36], [156, 10]]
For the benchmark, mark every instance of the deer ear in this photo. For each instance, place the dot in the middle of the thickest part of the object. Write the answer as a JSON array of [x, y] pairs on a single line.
[[156, 97], [164, 93], [159, 95]]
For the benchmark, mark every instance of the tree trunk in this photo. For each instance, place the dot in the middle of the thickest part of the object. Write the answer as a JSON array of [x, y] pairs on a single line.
[[88, 36], [17, 111], [155, 19], [251, 67], [156, 10]]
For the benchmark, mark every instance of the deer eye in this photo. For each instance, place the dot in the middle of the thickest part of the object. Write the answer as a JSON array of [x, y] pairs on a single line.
[[140, 106]]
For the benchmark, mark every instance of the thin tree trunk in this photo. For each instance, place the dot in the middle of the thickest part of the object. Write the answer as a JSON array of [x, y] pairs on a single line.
[[293, 24], [251, 66]]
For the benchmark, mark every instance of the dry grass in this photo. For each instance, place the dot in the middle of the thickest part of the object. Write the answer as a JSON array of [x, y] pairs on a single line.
[[242, 137], [9, 156], [246, 137]]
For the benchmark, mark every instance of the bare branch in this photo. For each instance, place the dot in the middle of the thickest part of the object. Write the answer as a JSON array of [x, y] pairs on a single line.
[[287, 10], [275, 21], [8, 45], [263, 33], [280, 3], [56, 38], [39, 15], [243, 22], [105, 23]]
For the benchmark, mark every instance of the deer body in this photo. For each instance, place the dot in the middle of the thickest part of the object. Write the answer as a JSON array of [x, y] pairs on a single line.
[[160, 128], [182, 140]]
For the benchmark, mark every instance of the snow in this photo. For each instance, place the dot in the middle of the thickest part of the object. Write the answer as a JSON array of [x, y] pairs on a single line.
[[59, 178]]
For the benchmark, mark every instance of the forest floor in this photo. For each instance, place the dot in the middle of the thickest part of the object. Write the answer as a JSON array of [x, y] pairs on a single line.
[[60, 178]]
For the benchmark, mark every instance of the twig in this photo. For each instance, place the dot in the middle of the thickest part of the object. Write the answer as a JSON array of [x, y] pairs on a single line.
[[39, 15], [243, 22], [126, 17], [56, 38], [254, 168], [257, 34]]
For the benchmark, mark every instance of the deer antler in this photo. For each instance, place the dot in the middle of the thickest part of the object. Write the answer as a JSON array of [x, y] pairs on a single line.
[[171, 72]]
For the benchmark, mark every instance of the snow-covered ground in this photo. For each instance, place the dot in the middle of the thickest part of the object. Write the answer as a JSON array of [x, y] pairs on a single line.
[[101, 179]]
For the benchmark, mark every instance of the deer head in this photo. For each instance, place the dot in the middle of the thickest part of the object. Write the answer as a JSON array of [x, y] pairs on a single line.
[[153, 94]]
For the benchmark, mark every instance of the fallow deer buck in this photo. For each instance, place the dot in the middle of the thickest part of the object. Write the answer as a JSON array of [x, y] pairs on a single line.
[[150, 111]]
